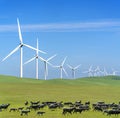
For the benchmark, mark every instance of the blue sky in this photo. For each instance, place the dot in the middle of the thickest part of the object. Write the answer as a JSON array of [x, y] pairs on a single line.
[[86, 31]]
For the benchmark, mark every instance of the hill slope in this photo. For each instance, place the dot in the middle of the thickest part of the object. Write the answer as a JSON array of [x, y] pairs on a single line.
[[16, 91], [58, 89]]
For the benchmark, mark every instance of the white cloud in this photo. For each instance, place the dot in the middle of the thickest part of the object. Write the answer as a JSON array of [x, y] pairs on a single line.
[[65, 27]]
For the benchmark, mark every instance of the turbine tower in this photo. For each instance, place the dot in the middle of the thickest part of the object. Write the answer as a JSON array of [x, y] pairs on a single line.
[[62, 68], [35, 58], [73, 70], [20, 46], [46, 61]]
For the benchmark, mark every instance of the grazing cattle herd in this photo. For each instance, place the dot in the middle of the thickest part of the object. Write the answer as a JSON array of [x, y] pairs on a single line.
[[66, 107]]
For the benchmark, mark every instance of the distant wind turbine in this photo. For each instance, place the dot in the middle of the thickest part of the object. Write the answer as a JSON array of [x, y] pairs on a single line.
[[20, 46], [114, 72], [105, 73], [62, 68], [35, 58], [46, 62], [90, 71], [97, 71], [73, 70]]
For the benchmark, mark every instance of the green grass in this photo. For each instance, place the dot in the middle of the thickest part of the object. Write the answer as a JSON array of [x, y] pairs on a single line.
[[16, 91]]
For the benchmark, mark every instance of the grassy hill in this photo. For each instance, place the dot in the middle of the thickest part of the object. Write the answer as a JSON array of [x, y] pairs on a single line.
[[16, 91]]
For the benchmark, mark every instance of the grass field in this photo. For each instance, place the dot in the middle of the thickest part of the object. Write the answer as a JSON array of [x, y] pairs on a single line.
[[16, 91]]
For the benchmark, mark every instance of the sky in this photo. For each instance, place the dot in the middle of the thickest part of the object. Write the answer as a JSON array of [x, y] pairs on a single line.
[[86, 31]]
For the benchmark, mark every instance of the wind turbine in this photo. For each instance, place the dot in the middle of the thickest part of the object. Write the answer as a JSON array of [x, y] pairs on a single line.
[[62, 68], [97, 71], [90, 71], [105, 73], [73, 70], [20, 46], [114, 72], [46, 61], [35, 58]]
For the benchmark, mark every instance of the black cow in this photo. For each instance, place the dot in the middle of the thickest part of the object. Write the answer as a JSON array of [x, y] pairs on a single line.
[[87, 103], [24, 112], [20, 108], [97, 108], [77, 110], [112, 112], [68, 110], [35, 103], [13, 109], [40, 112], [52, 106], [26, 103], [35, 107], [4, 106], [42, 105], [68, 103]]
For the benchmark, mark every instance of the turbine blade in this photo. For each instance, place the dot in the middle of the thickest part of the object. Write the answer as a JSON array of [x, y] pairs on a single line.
[[41, 59], [77, 66], [19, 31], [50, 64], [11, 52], [34, 48], [70, 66], [64, 61], [29, 60], [65, 71], [56, 66], [51, 58]]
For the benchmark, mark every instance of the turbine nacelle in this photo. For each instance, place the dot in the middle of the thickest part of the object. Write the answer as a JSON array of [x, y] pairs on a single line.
[[21, 45]]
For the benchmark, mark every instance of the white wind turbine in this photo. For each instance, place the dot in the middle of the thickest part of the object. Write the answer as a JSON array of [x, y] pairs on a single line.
[[46, 62], [20, 46], [114, 72], [90, 71], [62, 68], [105, 73], [73, 70], [97, 71], [35, 58]]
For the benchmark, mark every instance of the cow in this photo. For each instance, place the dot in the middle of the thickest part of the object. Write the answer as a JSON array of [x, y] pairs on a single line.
[[26, 103], [35, 103], [13, 109], [24, 112], [20, 108], [4, 106], [68, 103], [40, 112], [87, 103], [52, 106], [112, 112], [68, 110], [77, 110], [97, 108]]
